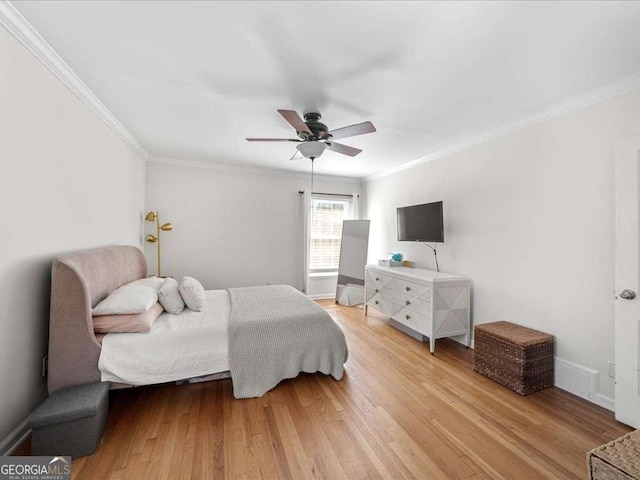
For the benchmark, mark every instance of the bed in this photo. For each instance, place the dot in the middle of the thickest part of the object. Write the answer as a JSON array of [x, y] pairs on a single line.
[[257, 335]]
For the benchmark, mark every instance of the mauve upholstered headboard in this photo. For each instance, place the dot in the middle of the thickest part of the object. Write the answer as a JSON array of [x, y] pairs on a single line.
[[79, 281]]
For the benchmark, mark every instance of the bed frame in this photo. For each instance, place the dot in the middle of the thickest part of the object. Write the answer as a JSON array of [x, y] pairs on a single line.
[[80, 280]]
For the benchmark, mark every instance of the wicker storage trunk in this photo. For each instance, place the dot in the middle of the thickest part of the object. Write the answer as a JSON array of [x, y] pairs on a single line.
[[517, 357], [617, 460]]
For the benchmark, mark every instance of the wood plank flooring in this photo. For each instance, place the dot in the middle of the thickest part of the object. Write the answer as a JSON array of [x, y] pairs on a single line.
[[398, 413]]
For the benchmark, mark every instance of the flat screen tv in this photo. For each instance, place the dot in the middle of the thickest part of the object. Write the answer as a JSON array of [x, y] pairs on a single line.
[[421, 223]]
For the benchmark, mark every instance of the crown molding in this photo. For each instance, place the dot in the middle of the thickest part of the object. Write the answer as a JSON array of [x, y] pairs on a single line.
[[273, 172], [593, 97], [21, 29]]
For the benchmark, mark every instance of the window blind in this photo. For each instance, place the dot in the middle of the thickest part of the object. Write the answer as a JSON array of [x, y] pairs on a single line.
[[325, 231]]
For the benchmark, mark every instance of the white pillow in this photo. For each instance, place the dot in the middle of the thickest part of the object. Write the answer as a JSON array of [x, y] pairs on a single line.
[[153, 282], [127, 299], [192, 293], [169, 296]]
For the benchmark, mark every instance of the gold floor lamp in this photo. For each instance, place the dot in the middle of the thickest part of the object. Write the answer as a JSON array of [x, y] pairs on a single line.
[[155, 217]]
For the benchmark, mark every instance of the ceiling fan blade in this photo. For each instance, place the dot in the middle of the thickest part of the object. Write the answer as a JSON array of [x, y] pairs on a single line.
[[296, 156], [343, 149], [273, 140], [294, 119], [353, 130]]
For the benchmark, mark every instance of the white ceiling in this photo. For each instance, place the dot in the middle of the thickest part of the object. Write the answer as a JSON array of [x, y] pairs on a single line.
[[191, 80]]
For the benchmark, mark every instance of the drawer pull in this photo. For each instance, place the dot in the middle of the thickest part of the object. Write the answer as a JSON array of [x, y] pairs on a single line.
[[407, 288], [377, 279], [377, 290], [377, 302], [408, 302], [408, 317]]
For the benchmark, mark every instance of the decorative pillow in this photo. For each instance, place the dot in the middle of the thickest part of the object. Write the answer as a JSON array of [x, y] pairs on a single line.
[[169, 296], [153, 282], [192, 293], [127, 299], [136, 323]]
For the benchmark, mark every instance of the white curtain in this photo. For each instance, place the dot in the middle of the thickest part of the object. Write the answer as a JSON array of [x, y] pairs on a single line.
[[355, 207], [305, 212]]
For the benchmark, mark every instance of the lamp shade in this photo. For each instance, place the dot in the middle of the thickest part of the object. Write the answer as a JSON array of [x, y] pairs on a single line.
[[167, 226], [152, 238], [151, 216], [311, 149]]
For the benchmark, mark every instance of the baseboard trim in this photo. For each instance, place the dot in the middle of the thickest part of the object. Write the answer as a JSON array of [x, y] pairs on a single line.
[[604, 401], [581, 381], [322, 296], [12, 441]]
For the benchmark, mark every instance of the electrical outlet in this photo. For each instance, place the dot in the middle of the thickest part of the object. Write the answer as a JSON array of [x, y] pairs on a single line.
[[612, 369], [45, 365]]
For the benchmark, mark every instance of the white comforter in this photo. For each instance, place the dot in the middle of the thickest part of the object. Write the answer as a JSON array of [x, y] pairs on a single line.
[[182, 346]]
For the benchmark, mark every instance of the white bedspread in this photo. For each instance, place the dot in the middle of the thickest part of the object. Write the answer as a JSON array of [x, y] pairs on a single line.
[[177, 347]]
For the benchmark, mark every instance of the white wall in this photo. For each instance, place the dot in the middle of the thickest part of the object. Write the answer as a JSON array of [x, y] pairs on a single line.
[[67, 182], [322, 286], [530, 218], [232, 228]]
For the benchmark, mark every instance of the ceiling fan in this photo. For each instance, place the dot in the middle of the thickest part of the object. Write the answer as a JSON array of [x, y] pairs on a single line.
[[315, 136]]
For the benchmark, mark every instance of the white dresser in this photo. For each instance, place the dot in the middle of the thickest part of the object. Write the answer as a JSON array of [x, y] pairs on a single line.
[[429, 303]]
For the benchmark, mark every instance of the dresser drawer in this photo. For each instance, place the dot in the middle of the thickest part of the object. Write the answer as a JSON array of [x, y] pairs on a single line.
[[382, 305], [416, 305], [377, 280], [371, 292], [383, 292], [412, 289], [389, 294], [401, 297], [415, 321]]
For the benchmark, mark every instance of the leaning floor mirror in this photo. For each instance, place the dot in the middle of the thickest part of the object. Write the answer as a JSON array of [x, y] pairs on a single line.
[[353, 259]]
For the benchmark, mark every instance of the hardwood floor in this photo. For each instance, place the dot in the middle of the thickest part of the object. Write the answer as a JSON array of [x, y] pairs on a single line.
[[398, 413]]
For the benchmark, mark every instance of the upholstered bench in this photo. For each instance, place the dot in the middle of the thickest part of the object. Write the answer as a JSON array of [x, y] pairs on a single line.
[[617, 460], [517, 357], [71, 421]]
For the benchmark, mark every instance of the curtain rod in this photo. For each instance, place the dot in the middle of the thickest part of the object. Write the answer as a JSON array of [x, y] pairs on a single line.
[[300, 192]]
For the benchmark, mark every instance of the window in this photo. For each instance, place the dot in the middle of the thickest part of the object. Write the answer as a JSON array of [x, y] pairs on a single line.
[[325, 231]]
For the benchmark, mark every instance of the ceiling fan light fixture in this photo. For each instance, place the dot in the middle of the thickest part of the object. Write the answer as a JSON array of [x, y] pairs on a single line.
[[314, 136], [311, 149]]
